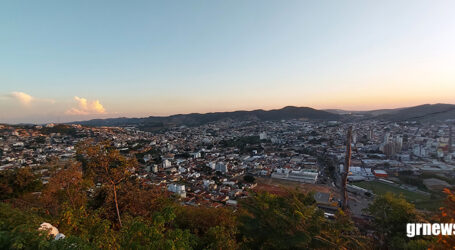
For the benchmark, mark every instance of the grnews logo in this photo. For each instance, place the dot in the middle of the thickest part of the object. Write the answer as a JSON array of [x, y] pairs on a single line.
[[435, 229]]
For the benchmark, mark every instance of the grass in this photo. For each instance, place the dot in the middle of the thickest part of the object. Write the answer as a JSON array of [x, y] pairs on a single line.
[[421, 201]]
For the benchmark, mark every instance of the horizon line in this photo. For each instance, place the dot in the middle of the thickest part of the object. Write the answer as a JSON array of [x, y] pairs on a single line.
[[227, 111]]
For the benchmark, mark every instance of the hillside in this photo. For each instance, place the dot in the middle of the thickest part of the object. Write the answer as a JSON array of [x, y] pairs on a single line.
[[196, 119], [425, 113]]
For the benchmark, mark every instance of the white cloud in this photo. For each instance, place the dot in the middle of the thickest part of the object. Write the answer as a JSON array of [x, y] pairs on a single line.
[[86, 107], [23, 98]]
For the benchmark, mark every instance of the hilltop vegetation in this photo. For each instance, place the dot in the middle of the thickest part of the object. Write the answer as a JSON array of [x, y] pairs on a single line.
[[195, 119]]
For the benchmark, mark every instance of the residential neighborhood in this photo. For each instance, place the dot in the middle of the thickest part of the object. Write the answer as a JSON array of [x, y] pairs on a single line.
[[216, 164]]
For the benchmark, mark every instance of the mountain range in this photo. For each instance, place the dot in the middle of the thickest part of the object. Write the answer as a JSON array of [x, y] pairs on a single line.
[[195, 119], [424, 113]]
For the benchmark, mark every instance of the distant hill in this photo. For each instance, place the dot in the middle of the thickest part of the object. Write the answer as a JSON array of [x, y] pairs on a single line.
[[375, 112], [196, 119], [425, 113]]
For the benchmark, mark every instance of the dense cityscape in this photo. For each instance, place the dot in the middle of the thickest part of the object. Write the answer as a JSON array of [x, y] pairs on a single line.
[[207, 165]]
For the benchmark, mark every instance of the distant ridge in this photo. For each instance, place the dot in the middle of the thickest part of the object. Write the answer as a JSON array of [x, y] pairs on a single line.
[[195, 119], [424, 113]]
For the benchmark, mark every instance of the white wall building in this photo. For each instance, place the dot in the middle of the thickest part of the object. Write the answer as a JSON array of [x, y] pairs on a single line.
[[167, 163], [263, 136], [295, 175], [177, 189]]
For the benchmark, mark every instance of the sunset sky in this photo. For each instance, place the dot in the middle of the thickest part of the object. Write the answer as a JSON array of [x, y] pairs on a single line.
[[74, 60]]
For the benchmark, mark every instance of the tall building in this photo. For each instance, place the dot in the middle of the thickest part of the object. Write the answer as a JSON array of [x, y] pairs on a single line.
[[398, 143], [370, 134], [450, 139], [390, 149], [386, 137], [354, 137], [391, 146]]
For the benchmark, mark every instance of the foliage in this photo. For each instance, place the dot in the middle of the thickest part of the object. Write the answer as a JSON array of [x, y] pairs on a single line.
[[139, 199], [108, 167], [67, 186], [89, 226], [60, 128], [391, 214], [292, 222], [215, 227], [242, 143], [141, 234], [14, 183], [249, 178], [18, 229], [447, 216]]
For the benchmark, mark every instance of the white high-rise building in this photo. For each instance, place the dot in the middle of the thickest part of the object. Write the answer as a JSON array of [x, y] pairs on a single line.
[[263, 136], [386, 137]]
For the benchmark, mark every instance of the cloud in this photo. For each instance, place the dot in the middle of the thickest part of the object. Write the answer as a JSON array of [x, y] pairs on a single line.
[[23, 98], [86, 107]]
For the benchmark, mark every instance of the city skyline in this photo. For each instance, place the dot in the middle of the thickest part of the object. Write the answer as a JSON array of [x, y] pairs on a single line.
[[78, 61]]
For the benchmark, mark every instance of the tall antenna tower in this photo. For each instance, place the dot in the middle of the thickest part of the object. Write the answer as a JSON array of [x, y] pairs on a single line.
[[344, 177]]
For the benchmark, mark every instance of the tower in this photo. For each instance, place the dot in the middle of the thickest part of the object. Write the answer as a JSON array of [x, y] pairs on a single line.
[[347, 163]]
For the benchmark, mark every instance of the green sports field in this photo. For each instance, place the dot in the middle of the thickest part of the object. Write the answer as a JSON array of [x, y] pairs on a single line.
[[421, 201]]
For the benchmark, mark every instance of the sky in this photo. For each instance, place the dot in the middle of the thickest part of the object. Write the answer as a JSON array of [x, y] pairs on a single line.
[[64, 61]]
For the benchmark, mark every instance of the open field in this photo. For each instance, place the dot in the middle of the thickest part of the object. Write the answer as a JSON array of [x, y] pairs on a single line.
[[421, 201], [279, 186]]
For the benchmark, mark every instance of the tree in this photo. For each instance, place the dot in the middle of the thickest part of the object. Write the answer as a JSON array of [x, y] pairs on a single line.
[[215, 227], [139, 199], [15, 183], [391, 214], [447, 216], [26, 181], [90, 226], [66, 186], [291, 221], [108, 166], [249, 178], [18, 229], [142, 234]]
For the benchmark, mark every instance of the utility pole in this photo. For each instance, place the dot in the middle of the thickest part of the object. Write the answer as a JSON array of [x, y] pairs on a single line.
[[347, 163]]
